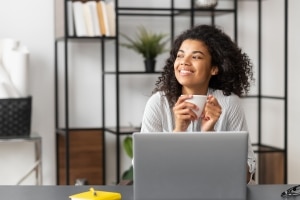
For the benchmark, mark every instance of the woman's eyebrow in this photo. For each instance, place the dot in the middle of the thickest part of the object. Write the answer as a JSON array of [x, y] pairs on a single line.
[[182, 51], [198, 52]]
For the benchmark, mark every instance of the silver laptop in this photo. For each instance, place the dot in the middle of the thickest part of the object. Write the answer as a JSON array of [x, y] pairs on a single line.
[[190, 166]]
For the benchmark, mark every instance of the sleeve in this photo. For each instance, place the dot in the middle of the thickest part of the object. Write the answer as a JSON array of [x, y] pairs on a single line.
[[237, 121], [152, 118], [235, 115]]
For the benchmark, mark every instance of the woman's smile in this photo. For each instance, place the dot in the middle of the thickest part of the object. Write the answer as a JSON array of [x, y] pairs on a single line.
[[184, 72]]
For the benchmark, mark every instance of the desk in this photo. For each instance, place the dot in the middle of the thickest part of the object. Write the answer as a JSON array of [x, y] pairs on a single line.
[[255, 192], [37, 166]]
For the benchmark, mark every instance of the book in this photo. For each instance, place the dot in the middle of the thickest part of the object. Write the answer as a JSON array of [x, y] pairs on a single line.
[[80, 27], [88, 19], [96, 195], [70, 19], [94, 17], [100, 18], [104, 19], [59, 23], [111, 17]]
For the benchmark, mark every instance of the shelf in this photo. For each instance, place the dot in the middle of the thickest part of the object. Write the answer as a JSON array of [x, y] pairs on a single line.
[[205, 12], [264, 97], [85, 38], [123, 130], [62, 131], [266, 149], [132, 11]]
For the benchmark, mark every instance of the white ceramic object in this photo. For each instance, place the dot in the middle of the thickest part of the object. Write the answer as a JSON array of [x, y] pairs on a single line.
[[200, 101], [206, 3]]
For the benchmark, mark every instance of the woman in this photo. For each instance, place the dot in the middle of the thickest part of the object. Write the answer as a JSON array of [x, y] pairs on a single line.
[[203, 61]]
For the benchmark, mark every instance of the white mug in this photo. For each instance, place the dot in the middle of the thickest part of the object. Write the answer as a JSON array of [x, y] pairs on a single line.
[[200, 101]]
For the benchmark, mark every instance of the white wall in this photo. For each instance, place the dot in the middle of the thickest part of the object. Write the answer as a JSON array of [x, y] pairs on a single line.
[[294, 96], [33, 25], [31, 22]]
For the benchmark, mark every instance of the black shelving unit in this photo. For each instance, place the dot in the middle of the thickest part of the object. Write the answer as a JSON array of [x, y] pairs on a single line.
[[262, 148], [170, 12], [65, 129]]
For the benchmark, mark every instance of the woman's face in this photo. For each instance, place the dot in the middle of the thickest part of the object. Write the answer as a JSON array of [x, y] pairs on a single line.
[[193, 68]]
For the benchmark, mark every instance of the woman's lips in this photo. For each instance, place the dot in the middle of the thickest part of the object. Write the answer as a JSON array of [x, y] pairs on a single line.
[[185, 72]]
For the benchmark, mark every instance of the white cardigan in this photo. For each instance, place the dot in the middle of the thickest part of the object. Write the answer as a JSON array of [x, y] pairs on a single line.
[[158, 117]]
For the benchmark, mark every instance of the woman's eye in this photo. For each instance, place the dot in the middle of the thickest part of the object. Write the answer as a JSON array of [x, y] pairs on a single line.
[[179, 56], [196, 57]]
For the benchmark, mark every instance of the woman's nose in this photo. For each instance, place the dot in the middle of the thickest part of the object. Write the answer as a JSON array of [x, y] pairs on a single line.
[[185, 61]]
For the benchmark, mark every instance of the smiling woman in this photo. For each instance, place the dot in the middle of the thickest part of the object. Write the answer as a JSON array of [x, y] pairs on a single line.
[[203, 61], [193, 67]]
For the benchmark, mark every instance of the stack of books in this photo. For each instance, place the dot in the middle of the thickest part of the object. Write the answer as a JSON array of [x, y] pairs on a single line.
[[91, 18]]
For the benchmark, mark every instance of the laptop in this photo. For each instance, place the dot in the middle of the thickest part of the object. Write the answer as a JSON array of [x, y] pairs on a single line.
[[190, 166]]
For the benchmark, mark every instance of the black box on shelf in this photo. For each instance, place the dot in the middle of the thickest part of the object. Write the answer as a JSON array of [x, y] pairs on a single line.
[[15, 117]]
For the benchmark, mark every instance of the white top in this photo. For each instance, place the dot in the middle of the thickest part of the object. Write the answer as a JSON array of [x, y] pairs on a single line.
[[158, 117]]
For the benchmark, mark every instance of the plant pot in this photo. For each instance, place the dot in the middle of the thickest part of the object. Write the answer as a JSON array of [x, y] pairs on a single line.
[[150, 65]]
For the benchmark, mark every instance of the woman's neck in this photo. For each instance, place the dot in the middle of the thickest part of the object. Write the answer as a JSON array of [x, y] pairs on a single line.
[[194, 91]]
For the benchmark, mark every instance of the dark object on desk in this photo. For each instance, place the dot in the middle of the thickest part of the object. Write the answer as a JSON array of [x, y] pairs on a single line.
[[15, 117], [293, 191]]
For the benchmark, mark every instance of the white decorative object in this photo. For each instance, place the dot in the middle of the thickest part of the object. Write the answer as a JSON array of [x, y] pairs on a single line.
[[14, 69], [7, 88], [206, 3]]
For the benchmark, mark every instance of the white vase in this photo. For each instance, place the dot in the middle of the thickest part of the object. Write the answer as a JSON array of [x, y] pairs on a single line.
[[205, 3]]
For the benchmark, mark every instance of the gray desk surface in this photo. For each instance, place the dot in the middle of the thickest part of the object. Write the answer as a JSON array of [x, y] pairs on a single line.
[[255, 192]]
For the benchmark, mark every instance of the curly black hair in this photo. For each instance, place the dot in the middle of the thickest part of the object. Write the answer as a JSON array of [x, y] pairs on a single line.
[[234, 66]]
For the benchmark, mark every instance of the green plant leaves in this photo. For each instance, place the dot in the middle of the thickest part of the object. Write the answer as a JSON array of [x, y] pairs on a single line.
[[128, 174], [127, 144], [147, 43]]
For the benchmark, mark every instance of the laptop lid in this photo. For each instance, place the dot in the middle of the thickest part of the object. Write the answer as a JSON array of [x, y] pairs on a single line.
[[171, 166]]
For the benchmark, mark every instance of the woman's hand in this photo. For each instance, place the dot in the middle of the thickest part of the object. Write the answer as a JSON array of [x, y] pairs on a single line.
[[211, 114], [183, 113]]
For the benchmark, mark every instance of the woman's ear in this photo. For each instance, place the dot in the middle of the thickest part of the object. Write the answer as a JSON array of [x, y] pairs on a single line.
[[214, 70]]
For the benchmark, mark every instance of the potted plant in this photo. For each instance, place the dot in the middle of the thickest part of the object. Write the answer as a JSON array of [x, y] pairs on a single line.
[[147, 43]]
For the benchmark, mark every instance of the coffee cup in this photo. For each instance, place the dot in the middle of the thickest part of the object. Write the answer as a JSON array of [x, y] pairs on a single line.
[[200, 101]]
